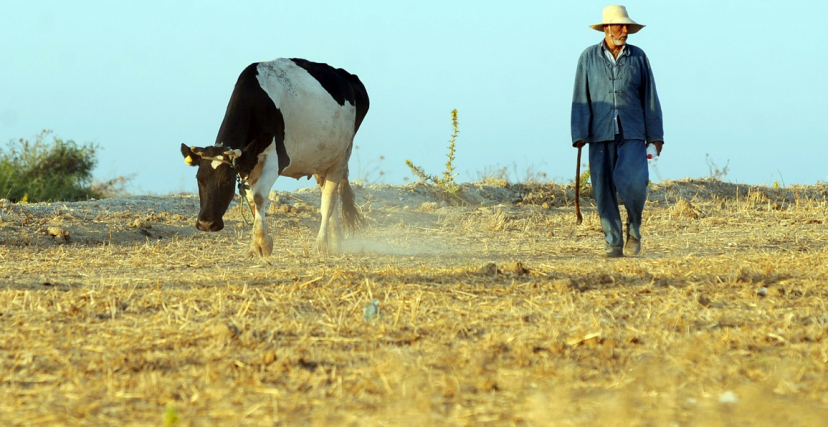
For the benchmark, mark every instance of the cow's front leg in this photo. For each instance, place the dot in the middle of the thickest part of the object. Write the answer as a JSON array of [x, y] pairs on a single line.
[[261, 180], [262, 244]]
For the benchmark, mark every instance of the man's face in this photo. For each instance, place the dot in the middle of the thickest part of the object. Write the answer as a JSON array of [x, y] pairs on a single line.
[[617, 34]]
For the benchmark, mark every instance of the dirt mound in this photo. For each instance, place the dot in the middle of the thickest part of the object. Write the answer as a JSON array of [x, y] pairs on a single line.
[[136, 219]]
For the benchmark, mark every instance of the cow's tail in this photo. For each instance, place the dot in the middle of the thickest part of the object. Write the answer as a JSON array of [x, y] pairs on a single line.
[[351, 217]]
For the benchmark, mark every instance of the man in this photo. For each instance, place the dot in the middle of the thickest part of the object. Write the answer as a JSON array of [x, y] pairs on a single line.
[[615, 109]]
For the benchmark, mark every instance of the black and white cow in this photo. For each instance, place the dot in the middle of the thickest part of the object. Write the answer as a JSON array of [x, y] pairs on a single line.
[[287, 117]]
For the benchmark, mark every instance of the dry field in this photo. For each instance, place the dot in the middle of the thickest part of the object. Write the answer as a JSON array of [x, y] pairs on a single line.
[[497, 312]]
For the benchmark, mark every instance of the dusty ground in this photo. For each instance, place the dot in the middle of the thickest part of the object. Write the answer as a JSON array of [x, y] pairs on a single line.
[[494, 310]]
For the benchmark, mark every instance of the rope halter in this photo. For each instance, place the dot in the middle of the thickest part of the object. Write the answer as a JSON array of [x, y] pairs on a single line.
[[229, 158]]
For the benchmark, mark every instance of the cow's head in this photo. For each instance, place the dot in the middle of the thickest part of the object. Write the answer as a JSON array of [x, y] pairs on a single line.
[[216, 182]]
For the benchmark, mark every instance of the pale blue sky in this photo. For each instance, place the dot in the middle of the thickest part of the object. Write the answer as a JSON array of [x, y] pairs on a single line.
[[743, 81]]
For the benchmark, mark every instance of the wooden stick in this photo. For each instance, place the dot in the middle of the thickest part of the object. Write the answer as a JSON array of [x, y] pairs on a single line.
[[578, 189]]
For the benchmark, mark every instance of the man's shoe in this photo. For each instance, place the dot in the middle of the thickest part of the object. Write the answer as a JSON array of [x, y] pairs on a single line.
[[613, 252], [633, 246]]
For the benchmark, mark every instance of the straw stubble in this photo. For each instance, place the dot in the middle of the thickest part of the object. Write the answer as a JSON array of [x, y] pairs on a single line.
[[496, 313]]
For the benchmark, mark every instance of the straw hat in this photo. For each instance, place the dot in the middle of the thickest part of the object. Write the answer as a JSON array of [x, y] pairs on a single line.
[[617, 15]]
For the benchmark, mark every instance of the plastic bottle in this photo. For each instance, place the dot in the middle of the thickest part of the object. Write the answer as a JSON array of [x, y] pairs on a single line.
[[652, 153]]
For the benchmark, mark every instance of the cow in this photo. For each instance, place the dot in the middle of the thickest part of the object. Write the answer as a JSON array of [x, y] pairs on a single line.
[[288, 117]]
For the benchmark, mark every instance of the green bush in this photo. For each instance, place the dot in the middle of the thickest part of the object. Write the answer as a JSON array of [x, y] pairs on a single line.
[[41, 171]]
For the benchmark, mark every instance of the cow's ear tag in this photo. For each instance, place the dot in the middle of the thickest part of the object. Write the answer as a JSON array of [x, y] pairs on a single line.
[[188, 160], [233, 154]]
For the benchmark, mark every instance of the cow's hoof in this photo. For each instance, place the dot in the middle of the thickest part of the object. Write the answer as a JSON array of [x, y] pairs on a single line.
[[261, 249], [324, 246]]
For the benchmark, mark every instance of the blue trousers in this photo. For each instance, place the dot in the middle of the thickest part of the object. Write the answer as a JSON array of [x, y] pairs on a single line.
[[619, 166]]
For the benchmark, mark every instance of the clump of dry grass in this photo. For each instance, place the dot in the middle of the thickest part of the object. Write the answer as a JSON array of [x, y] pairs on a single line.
[[114, 326], [684, 209]]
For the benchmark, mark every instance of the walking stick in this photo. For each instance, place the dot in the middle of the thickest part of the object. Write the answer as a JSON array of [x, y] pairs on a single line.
[[578, 189]]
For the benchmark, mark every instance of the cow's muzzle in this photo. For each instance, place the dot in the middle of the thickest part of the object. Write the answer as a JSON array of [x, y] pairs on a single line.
[[206, 225]]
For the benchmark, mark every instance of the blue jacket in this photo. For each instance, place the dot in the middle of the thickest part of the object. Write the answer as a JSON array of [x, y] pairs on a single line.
[[599, 94]]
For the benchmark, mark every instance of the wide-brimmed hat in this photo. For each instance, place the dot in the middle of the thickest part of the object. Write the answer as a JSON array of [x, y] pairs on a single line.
[[617, 15]]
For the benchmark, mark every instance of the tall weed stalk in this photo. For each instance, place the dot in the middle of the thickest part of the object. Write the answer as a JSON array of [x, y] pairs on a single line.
[[446, 181]]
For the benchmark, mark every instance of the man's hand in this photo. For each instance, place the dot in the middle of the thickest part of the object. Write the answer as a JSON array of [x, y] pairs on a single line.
[[579, 144], [658, 145]]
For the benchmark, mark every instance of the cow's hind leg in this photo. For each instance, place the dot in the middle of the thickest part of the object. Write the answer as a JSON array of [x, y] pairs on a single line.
[[329, 234]]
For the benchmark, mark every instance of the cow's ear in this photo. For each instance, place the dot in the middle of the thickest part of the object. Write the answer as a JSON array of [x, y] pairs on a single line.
[[192, 156], [233, 154], [249, 146]]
